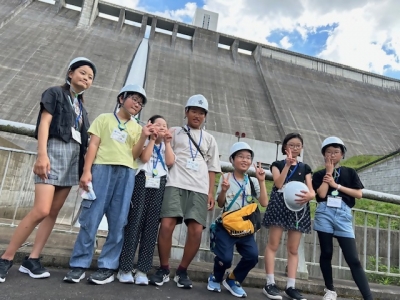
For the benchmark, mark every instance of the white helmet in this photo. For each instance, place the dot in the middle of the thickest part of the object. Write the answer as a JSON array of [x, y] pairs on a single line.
[[289, 194], [81, 61], [197, 101], [333, 140], [238, 147], [135, 89]]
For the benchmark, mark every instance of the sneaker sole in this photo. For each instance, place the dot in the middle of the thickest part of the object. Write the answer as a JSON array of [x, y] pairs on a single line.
[[24, 270], [176, 279], [211, 289], [271, 296], [108, 280], [125, 281], [2, 280], [73, 280], [165, 280], [141, 283], [294, 298], [226, 285]]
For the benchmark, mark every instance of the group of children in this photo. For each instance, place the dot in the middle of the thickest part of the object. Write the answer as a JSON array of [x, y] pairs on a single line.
[[147, 180]]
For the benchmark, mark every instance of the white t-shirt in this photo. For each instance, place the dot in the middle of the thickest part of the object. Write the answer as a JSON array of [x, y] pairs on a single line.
[[149, 166], [234, 188], [188, 179]]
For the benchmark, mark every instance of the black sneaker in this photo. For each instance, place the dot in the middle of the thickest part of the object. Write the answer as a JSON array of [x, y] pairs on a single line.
[[272, 291], [5, 265], [102, 276], [75, 275], [294, 294], [159, 277], [34, 268], [182, 280]]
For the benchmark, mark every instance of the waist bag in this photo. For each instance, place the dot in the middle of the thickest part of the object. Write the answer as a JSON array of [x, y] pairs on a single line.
[[244, 221]]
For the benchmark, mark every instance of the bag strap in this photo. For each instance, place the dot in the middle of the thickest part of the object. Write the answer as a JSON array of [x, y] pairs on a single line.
[[193, 141], [236, 196], [253, 190]]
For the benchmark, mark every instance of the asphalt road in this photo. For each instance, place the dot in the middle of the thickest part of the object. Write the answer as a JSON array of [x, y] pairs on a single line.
[[19, 286]]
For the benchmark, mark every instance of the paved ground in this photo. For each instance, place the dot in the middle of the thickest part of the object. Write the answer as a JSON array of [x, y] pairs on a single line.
[[20, 286]]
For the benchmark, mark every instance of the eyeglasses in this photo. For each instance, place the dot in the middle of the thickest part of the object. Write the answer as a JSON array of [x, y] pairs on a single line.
[[291, 146], [137, 100], [333, 153], [241, 157]]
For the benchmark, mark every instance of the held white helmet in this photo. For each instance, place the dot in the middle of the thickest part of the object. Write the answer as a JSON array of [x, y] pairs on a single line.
[[133, 88], [81, 61], [197, 101], [239, 146], [333, 140], [289, 194]]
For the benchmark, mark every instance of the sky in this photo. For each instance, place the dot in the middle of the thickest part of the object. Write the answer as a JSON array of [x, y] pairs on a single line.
[[364, 34]]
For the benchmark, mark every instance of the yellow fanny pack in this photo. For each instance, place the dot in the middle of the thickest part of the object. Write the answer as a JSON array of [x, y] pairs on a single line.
[[242, 222]]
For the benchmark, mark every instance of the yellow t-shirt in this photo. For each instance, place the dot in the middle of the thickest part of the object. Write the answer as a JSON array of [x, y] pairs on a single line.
[[111, 151]]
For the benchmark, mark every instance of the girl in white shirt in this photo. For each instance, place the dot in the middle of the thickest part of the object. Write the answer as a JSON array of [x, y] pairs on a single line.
[[144, 214]]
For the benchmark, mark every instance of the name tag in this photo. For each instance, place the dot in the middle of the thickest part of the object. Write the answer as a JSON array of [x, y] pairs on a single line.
[[119, 136], [76, 135], [334, 202], [152, 183], [281, 189], [192, 165]]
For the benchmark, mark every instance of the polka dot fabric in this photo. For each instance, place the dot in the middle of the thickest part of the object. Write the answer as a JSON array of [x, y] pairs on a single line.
[[142, 226], [277, 214]]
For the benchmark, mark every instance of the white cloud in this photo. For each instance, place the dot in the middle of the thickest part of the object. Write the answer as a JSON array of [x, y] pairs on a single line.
[[285, 43], [362, 27]]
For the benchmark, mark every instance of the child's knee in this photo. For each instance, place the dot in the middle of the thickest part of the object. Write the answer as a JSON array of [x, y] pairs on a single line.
[[223, 261]]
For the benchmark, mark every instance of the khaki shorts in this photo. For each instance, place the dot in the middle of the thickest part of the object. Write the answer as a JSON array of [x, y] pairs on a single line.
[[184, 205]]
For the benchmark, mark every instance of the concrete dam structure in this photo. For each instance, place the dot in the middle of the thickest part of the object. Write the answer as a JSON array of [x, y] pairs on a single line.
[[265, 92]]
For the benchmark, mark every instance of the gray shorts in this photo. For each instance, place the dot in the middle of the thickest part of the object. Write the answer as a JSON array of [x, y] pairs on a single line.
[[64, 163], [184, 205]]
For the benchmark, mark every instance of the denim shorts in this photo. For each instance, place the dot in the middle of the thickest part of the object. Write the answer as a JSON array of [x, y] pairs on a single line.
[[338, 221]]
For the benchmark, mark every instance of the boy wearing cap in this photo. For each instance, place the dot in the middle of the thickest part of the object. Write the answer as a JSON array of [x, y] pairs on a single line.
[[189, 192], [337, 188], [234, 192], [116, 140]]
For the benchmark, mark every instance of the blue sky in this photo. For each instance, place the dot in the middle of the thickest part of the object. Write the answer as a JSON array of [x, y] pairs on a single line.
[[364, 34]]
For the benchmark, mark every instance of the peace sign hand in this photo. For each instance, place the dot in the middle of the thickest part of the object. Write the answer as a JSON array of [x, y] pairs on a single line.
[[225, 182], [260, 173], [289, 159], [148, 129], [168, 136]]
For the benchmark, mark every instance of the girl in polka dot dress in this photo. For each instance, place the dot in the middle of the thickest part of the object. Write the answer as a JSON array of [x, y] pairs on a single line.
[[278, 217], [144, 214]]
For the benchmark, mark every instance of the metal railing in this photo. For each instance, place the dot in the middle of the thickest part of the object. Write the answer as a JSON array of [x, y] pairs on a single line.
[[377, 234]]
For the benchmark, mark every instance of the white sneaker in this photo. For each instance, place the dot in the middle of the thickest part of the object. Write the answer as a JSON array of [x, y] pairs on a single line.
[[329, 295], [141, 278], [125, 277]]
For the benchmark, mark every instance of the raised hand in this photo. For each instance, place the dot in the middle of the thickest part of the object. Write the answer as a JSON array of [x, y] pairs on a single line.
[[148, 129], [329, 165], [289, 159], [260, 173], [168, 136], [225, 182]]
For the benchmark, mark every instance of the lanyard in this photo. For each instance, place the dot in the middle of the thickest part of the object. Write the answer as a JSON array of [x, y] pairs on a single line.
[[291, 173], [336, 174], [159, 157], [190, 144], [242, 187], [78, 115], [120, 125]]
